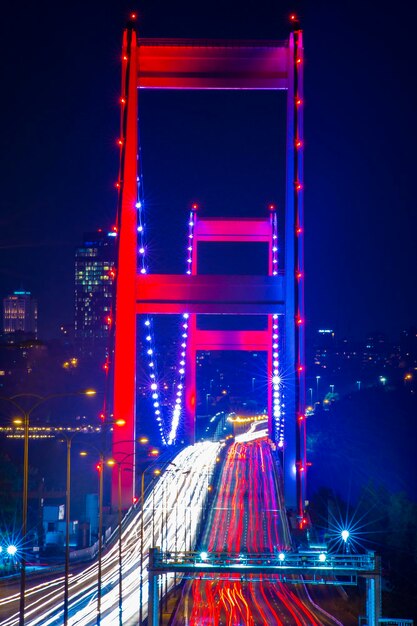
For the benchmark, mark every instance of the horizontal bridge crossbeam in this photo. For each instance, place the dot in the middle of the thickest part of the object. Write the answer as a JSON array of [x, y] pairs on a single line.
[[247, 229], [182, 64], [179, 293]]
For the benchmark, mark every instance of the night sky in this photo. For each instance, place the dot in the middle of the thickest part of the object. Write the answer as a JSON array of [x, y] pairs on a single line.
[[60, 89]]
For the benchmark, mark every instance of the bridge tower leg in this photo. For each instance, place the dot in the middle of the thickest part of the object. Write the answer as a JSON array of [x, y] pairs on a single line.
[[294, 353], [190, 380], [124, 368]]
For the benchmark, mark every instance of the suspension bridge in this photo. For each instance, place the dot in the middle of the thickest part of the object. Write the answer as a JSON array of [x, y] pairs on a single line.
[[216, 528]]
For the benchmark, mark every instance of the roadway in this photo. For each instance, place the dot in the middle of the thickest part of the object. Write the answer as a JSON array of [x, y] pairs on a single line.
[[248, 516], [171, 515]]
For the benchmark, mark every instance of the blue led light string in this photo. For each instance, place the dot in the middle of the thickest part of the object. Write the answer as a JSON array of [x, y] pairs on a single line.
[[148, 326], [277, 407], [180, 384]]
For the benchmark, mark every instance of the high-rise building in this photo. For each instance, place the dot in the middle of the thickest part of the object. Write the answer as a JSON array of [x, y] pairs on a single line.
[[20, 313], [94, 263]]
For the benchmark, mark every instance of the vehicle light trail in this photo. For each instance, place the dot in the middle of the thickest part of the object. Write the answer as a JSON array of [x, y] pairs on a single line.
[[172, 512], [248, 515]]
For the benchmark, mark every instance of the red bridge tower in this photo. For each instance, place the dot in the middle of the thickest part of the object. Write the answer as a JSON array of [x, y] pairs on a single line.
[[186, 64]]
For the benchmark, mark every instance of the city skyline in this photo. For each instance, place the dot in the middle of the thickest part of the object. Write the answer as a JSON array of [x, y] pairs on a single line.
[[359, 218]]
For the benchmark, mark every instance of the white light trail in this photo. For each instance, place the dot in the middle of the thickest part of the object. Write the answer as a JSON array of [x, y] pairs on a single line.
[[172, 512]]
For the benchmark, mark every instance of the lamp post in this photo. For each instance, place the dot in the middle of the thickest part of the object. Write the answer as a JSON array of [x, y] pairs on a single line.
[[156, 472], [68, 439], [100, 468], [26, 414], [100, 535], [112, 462]]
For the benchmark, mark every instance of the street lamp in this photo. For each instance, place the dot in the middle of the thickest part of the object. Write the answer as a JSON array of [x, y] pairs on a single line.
[[26, 413], [345, 534]]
